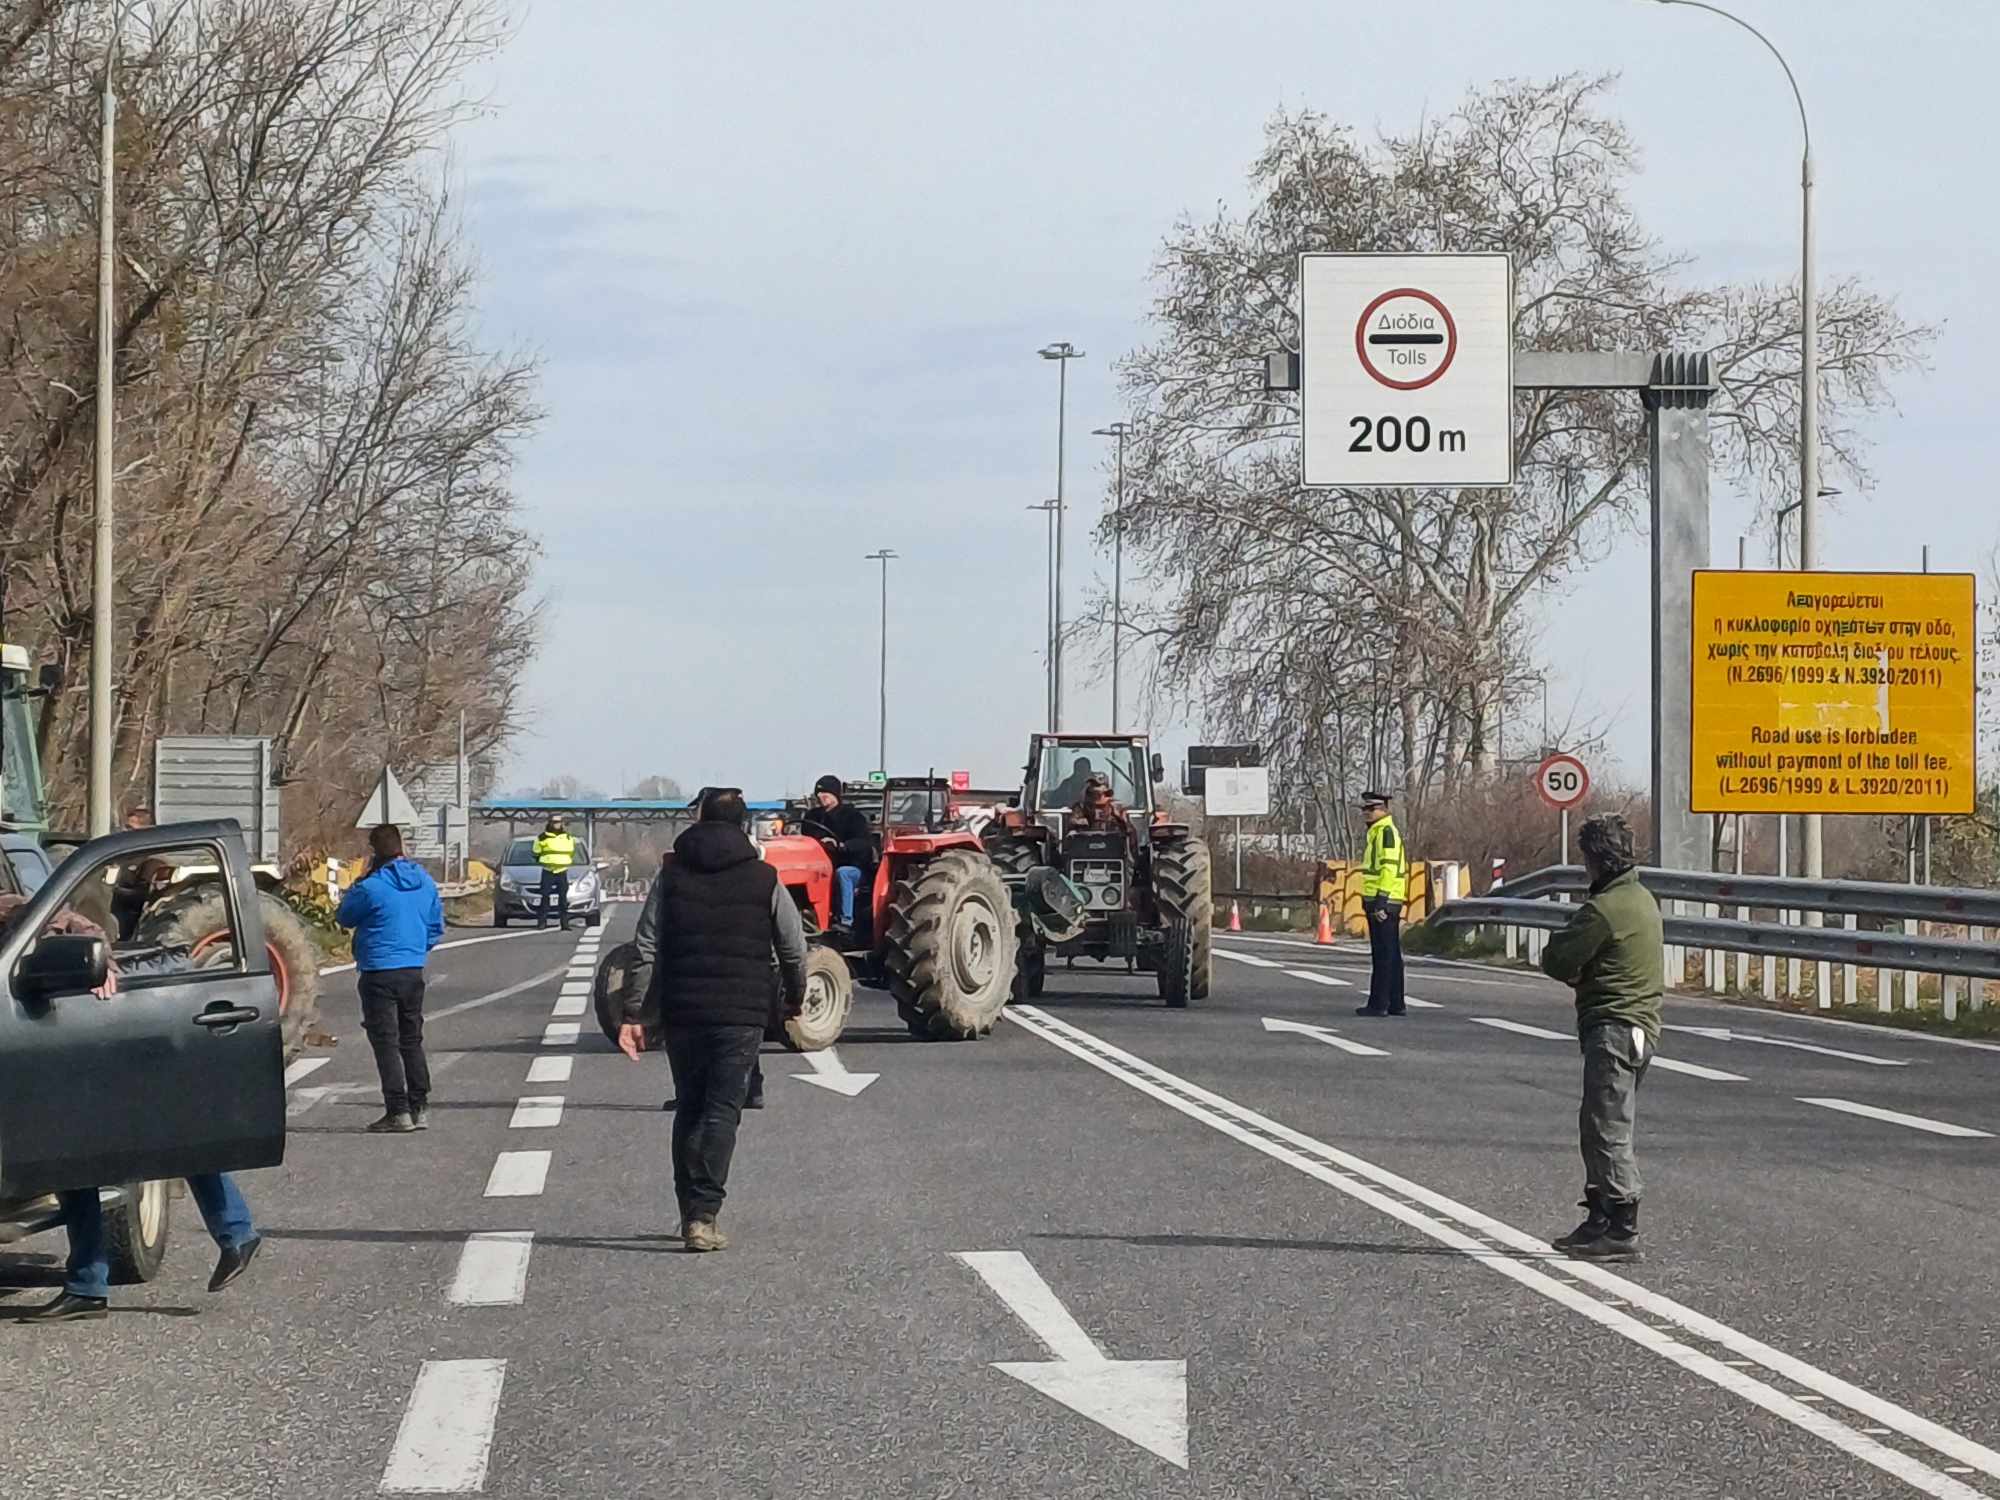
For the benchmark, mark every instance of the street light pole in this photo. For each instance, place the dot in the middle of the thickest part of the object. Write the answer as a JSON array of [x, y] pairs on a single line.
[[1048, 508], [100, 562], [1117, 430], [1809, 490], [882, 740], [1062, 353]]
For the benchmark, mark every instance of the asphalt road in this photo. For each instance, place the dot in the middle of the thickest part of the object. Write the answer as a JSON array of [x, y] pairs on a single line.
[[1336, 1254]]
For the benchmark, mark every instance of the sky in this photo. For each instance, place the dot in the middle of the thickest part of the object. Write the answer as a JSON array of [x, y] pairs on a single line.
[[787, 266]]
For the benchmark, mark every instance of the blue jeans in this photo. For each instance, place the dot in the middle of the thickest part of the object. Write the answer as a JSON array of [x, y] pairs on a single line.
[[217, 1196], [848, 878]]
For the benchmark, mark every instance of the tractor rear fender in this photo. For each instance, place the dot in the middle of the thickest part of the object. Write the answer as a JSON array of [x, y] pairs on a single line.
[[805, 870]]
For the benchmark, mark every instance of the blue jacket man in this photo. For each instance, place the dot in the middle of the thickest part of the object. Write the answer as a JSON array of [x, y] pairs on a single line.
[[397, 918]]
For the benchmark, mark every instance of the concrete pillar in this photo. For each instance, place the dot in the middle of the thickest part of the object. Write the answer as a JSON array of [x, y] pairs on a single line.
[[1678, 442]]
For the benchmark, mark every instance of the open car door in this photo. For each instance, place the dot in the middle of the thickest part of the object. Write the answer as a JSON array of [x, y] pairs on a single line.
[[178, 1069]]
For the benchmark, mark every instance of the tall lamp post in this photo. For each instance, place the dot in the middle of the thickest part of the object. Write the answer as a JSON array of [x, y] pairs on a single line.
[[1062, 353], [1048, 508], [100, 562], [1809, 490], [1116, 430], [882, 741]]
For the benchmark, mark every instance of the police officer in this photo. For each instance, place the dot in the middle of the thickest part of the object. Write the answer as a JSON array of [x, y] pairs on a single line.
[[555, 852], [1385, 885]]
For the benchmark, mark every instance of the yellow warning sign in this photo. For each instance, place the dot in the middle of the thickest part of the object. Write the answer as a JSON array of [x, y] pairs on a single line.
[[1834, 693]]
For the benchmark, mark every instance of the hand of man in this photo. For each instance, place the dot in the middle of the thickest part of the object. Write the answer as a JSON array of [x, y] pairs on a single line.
[[631, 1040], [110, 986], [795, 1006]]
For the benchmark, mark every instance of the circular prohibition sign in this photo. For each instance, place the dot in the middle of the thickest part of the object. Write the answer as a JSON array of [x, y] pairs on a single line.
[[1562, 781], [1411, 329]]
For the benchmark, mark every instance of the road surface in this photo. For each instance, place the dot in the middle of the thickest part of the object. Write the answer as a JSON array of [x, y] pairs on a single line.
[[1261, 1247]]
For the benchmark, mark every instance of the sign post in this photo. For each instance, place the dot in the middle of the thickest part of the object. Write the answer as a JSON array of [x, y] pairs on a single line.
[[1407, 371], [1236, 792], [1563, 781]]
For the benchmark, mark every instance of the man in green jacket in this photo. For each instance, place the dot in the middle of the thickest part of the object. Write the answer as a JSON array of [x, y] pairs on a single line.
[[1610, 954]]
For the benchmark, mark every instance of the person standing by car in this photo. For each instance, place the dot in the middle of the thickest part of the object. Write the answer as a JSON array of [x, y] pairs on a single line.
[[1610, 954], [397, 918], [848, 840], [555, 852], [713, 922], [1385, 886]]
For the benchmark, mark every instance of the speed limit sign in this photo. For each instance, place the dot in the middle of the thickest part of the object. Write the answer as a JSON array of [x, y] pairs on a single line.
[[1562, 781]]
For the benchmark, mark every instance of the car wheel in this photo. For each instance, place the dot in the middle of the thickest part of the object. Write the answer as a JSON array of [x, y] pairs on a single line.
[[136, 1233]]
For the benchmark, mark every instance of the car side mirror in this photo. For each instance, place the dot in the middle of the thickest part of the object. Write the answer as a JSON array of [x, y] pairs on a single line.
[[63, 964], [1159, 769]]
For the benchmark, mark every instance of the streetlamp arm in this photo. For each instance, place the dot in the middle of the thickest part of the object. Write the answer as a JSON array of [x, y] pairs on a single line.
[[1798, 98]]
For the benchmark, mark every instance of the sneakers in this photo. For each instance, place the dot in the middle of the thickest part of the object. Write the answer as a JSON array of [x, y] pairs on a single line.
[[1592, 1229], [420, 1116], [755, 1098], [703, 1236], [233, 1263], [67, 1308], [392, 1124], [1620, 1239]]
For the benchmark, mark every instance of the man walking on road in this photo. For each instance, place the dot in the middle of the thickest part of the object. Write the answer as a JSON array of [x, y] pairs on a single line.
[[555, 852], [1610, 954], [397, 918], [1385, 885], [711, 925]]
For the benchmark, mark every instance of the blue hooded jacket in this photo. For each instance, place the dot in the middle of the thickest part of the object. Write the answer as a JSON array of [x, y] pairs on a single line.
[[396, 916]]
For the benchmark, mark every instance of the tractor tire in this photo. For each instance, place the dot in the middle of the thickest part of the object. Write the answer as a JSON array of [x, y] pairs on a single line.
[[136, 1233], [829, 1002], [951, 947], [197, 918], [1182, 888], [1012, 853], [1015, 855], [608, 989]]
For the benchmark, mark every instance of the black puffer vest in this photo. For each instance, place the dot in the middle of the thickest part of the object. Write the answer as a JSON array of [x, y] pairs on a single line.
[[715, 965]]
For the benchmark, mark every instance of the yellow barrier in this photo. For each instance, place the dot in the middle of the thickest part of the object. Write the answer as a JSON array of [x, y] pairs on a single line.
[[1340, 893]]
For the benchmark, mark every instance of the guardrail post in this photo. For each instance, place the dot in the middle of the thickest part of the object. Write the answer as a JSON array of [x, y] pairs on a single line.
[[1909, 975], [1767, 967], [1849, 979], [1975, 989], [1823, 985], [1513, 944], [1742, 959]]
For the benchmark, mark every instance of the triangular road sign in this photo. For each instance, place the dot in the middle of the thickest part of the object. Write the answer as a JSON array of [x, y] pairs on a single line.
[[388, 803]]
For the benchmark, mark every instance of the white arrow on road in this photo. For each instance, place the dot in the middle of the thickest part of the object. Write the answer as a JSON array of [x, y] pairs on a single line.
[[1322, 1034], [1142, 1400], [1725, 1034], [830, 1073]]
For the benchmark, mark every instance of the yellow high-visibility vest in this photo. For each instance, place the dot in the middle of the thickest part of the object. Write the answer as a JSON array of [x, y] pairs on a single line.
[[555, 851], [1385, 870]]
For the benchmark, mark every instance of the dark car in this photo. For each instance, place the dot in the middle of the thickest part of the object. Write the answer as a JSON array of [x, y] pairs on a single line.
[[178, 1070], [517, 894]]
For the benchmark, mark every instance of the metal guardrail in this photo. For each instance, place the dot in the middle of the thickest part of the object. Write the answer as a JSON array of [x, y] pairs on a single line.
[[1868, 950], [1960, 905]]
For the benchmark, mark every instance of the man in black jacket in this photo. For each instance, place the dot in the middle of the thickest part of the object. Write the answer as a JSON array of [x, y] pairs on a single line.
[[849, 841], [714, 919]]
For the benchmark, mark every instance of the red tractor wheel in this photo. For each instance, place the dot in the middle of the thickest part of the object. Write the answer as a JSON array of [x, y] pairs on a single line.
[[951, 946]]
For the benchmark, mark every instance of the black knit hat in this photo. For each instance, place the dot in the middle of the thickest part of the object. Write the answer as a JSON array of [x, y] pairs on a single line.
[[831, 784]]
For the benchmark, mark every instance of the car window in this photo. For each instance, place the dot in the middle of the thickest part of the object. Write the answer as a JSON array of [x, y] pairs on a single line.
[[31, 869]]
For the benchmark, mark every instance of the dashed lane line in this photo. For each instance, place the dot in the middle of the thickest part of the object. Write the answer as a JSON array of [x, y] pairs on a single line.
[[550, 1069], [1897, 1117], [493, 1269], [571, 1005], [305, 1067], [561, 1033], [507, 994], [537, 1112], [518, 1174], [447, 1431], [1665, 1064], [1520, 1028], [1699, 1345]]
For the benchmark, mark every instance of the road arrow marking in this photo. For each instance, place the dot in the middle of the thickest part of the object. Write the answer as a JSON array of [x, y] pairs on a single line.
[[831, 1074], [1521, 1028], [1330, 980], [1725, 1034], [1322, 1034], [1144, 1401]]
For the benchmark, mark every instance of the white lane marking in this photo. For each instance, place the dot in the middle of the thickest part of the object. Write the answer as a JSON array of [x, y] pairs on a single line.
[[1520, 1028], [507, 994], [1142, 1400], [1894, 1117], [1322, 1034], [305, 1067], [303, 1099], [493, 1269], [1726, 1034], [1415, 1004], [537, 1112], [1696, 1070], [491, 937], [561, 1033], [831, 1074], [1341, 1170], [550, 1069], [1326, 979], [447, 1430], [1246, 958], [518, 1174], [571, 1005], [575, 987]]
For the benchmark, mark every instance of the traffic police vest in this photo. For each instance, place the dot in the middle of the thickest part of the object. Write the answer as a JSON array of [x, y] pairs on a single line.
[[1385, 870], [555, 851]]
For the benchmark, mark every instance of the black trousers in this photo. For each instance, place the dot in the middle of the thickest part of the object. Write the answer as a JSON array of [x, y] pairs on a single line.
[[555, 883], [392, 1013], [711, 1077], [1385, 955]]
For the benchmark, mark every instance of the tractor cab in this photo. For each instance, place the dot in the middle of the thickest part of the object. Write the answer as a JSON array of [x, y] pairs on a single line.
[[1060, 766]]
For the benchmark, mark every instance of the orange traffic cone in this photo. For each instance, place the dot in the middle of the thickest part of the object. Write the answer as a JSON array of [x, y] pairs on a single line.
[[1325, 938], [1235, 918]]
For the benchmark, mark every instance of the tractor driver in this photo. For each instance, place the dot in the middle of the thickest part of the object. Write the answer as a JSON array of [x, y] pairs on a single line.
[[848, 840], [1096, 809]]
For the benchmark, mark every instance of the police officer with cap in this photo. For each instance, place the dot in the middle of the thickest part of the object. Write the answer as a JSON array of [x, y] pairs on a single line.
[[1385, 885]]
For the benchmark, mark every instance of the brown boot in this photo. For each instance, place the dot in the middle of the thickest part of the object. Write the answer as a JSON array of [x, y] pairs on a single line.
[[702, 1235]]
